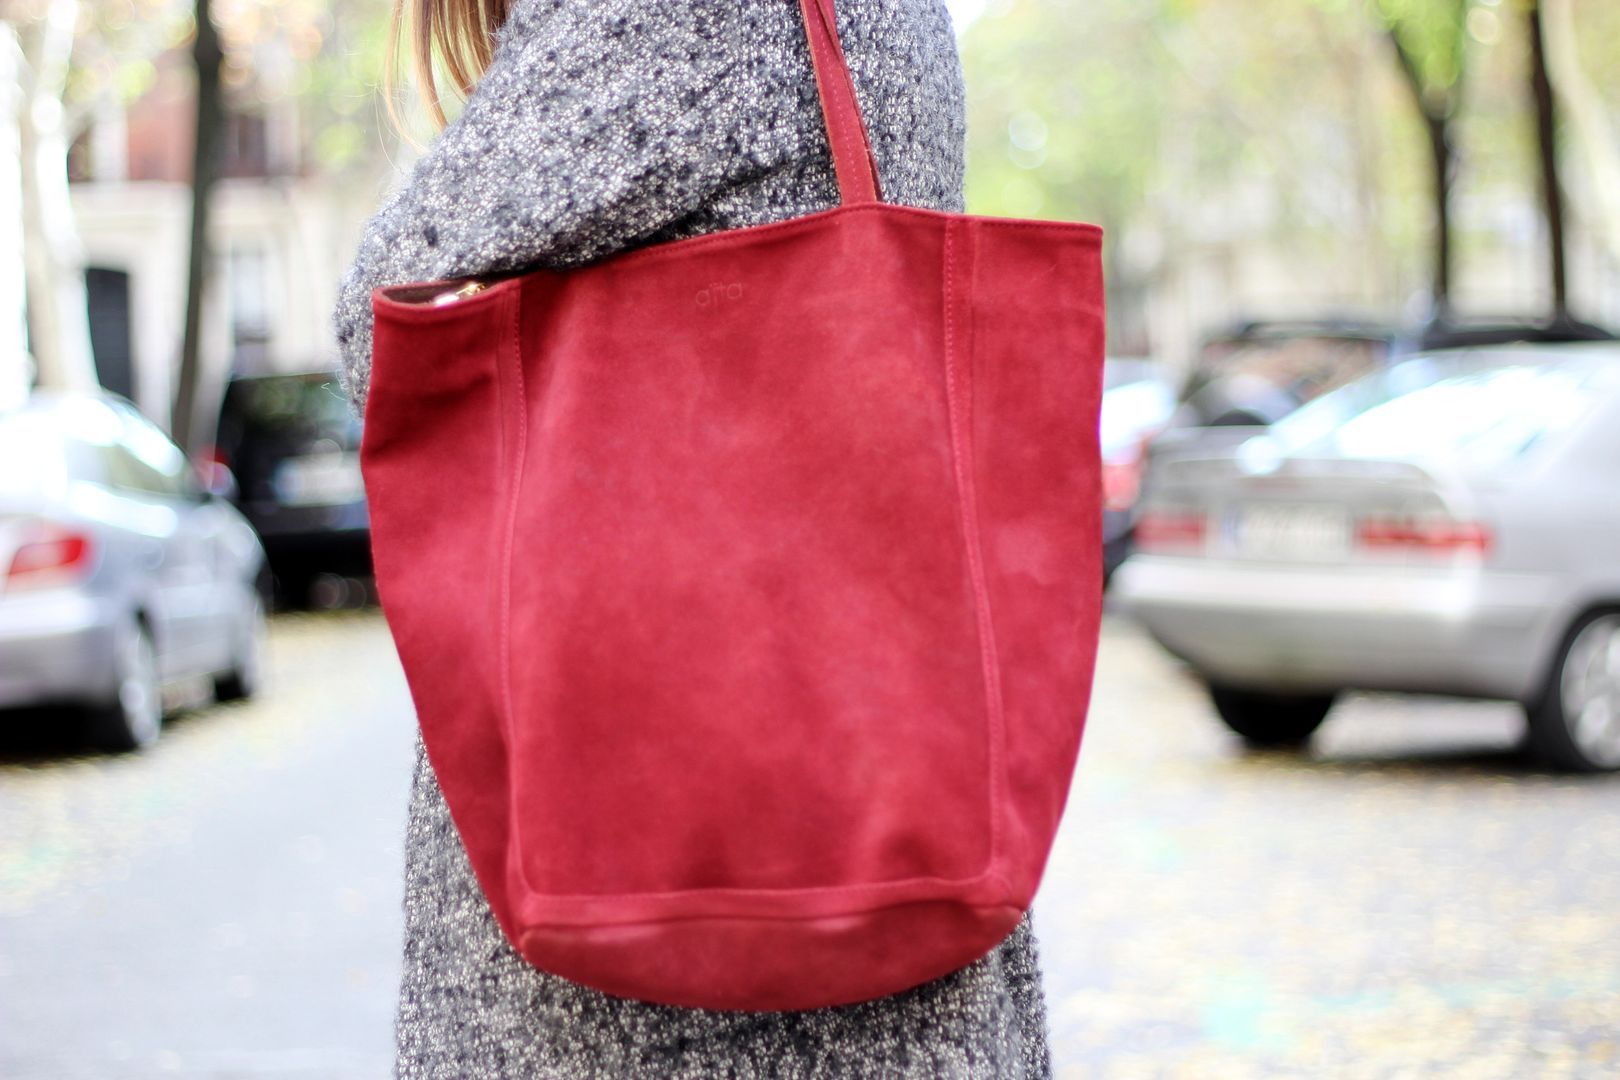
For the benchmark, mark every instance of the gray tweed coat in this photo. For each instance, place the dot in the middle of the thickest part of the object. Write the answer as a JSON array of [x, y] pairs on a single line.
[[602, 125]]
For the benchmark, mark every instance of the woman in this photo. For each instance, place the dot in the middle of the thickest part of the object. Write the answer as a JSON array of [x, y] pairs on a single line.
[[592, 126]]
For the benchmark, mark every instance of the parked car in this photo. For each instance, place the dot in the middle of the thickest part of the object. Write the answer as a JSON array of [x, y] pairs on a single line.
[[1260, 371], [121, 573], [1452, 332], [294, 446], [1136, 404], [1450, 524]]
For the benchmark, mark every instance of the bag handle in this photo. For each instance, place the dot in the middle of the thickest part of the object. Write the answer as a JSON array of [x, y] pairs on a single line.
[[846, 131]]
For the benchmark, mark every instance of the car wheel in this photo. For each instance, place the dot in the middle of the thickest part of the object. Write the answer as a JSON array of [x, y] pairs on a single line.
[[133, 720], [1265, 718], [246, 673], [1576, 723]]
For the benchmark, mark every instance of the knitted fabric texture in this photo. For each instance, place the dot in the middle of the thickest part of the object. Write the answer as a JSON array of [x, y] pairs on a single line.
[[604, 125]]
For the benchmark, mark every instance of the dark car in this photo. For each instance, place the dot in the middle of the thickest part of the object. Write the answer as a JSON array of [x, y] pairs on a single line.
[[293, 444]]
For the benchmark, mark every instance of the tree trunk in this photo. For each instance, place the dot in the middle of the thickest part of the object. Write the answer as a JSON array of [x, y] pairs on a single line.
[[54, 259], [1437, 122], [1552, 191], [1589, 122], [191, 428], [1444, 164], [15, 373]]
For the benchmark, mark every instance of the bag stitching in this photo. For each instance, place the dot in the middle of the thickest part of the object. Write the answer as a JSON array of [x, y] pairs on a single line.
[[840, 83], [948, 889], [968, 511], [841, 913], [513, 355], [825, 91], [691, 243], [397, 309]]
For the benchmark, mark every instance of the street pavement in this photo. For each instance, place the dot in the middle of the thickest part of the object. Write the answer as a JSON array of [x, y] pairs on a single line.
[[227, 904], [1412, 899]]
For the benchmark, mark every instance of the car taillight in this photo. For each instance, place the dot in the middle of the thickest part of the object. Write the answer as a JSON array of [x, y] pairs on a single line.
[[1122, 478], [1121, 481], [49, 555], [1442, 535], [1168, 530]]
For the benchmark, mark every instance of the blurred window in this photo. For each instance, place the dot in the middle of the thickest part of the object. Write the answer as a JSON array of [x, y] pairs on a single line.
[[245, 146], [1304, 365], [249, 277], [112, 444], [1132, 411], [81, 160], [129, 472], [154, 464], [295, 407], [1454, 408], [33, 457]]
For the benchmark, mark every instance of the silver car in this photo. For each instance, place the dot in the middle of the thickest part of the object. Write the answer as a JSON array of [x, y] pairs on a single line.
[[118, 573], [1450, 524], [1137, 402]]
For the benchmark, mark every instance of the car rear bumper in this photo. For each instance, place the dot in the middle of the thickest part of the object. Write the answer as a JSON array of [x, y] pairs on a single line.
[[340, 535], [56, 647], [1451, 631], [308, 524]]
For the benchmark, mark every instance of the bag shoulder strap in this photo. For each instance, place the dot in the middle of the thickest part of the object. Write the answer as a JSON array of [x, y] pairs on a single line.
[[846, 130]]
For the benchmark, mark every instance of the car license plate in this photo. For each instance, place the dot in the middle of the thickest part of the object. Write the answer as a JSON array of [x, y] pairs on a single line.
[[320, 480], [1291, 531]]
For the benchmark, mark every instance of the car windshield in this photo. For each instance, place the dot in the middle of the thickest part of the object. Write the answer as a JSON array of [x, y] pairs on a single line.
[[294, 407], [1305, 365], [1479, 411], [1132, 410]]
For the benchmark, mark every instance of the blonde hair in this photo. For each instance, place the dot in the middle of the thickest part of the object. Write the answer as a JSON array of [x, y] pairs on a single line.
[[449, 39]]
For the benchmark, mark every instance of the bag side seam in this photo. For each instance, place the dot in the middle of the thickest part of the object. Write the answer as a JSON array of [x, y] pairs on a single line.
[[752, 233], [516, 423], [968, 513], [854, 911]]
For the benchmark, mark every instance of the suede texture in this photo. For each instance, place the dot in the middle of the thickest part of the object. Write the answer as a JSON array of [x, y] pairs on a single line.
[[748, 586]]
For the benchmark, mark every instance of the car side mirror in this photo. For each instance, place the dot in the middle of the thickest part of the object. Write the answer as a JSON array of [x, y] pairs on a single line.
[[217, 480]]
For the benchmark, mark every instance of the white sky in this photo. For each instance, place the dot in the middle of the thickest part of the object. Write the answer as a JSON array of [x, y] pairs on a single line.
[[964, 12]]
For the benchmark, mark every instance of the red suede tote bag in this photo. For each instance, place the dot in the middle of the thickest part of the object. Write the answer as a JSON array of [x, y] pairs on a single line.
[[748, 586]]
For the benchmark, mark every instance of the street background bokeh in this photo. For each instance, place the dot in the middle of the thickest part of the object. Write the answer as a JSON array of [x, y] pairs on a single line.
[[1360, 823]]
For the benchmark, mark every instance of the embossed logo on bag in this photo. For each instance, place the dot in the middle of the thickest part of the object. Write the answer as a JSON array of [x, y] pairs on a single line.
[[718, 293]]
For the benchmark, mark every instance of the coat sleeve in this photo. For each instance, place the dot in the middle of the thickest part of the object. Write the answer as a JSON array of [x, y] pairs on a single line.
[[599, 124]]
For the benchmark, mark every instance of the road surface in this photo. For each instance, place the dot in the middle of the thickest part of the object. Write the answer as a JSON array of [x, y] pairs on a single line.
[[1413, 898]]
